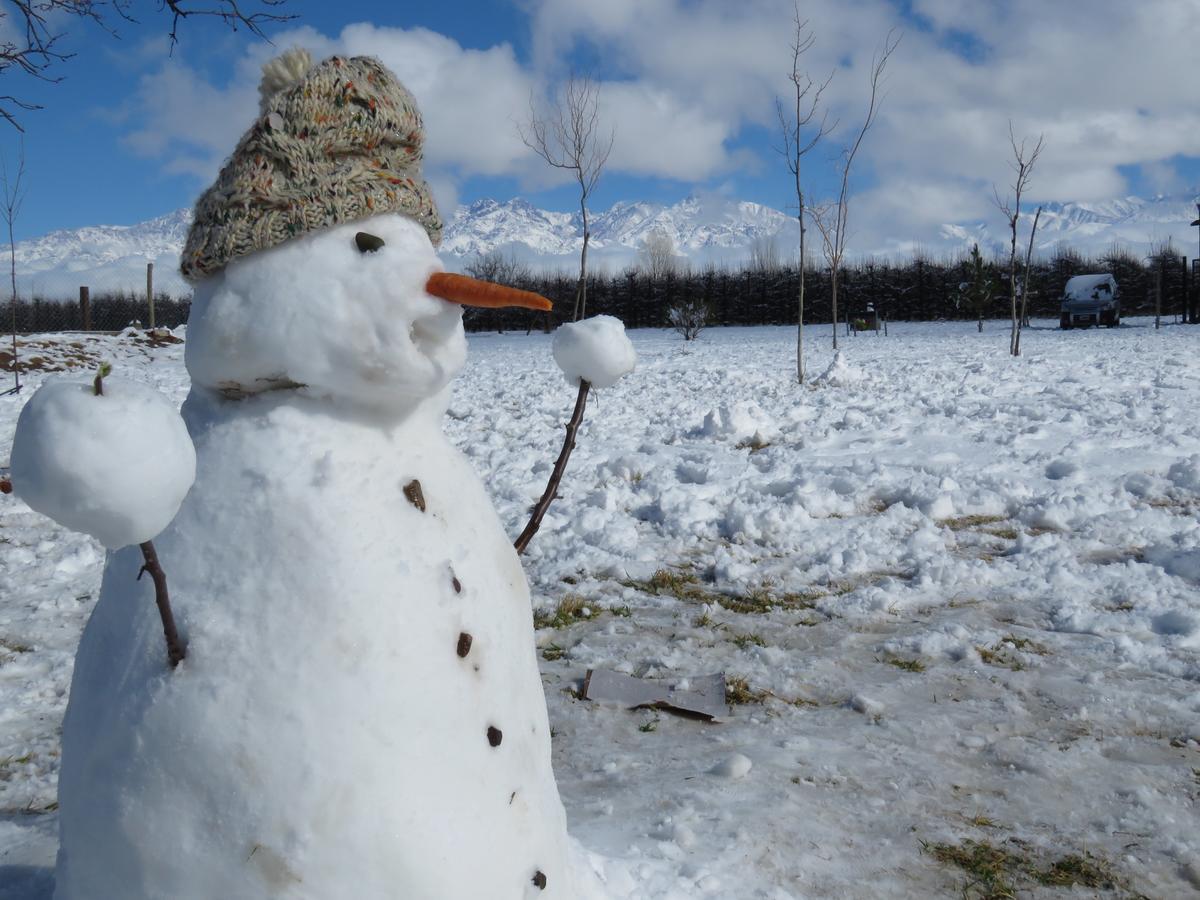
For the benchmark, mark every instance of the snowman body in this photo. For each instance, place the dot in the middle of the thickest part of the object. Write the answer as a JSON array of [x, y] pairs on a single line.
[[360, 713]]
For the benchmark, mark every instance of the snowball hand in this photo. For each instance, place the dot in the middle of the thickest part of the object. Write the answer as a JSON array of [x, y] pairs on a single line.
[[115, 465], [596, 350]]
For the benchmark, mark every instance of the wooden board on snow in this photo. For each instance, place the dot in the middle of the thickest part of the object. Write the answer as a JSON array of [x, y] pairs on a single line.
[[703, 695]]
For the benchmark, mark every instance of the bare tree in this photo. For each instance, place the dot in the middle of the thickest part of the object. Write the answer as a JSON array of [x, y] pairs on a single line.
[[498, 268], [656, 256], [764, 254], [32, 35], [567, 136], [14, 196], [1024, 159], [832, 219], [1025, 282], [792, 126]]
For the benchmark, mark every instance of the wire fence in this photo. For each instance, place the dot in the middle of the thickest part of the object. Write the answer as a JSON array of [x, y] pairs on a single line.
[[105, 301]]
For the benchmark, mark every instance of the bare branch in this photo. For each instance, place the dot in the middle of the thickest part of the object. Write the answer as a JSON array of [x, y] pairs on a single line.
[[833, 219], [14, 197], [568, 137], [228, 11], [32, 45], [807, 98], [1022, 165]]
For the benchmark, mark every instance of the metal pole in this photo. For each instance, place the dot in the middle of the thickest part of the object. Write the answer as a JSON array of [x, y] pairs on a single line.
[[1196, 281], [150, 291]]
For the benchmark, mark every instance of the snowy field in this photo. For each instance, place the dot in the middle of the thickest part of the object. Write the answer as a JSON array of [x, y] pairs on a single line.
[[955, 594]]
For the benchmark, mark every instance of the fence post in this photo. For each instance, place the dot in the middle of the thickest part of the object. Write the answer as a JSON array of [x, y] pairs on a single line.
[[150, 291], [85, 307]]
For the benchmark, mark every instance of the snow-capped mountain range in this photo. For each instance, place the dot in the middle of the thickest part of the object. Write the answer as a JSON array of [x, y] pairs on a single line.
[[712, 229]]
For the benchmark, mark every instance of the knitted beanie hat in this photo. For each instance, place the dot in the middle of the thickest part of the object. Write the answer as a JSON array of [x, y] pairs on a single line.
[[334, 143]]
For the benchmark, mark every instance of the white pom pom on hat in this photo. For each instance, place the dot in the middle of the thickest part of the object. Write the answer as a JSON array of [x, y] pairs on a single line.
[[281, 73]]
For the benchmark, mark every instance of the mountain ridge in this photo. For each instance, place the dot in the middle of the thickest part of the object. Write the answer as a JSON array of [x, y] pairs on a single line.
[[703, 230]]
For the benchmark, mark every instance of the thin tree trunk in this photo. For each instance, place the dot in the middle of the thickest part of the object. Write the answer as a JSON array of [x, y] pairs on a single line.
[[581, 288], [1158, 292], [833, 299], [12, 305], [560, 466], [1012, 285], [800, 315], [1024, 321]]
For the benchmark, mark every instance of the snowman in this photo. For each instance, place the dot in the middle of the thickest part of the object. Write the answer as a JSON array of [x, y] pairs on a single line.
[[359, 712]]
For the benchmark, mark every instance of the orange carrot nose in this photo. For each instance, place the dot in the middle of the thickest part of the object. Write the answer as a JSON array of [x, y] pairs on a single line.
[[472, 292]]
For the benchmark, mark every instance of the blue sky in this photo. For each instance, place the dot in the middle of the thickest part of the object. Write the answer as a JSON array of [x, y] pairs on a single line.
[[688, 85]]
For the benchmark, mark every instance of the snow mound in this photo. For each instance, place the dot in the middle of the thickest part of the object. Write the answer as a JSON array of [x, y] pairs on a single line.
[[841, 372], [744, 420], [1185, 474], [596, 350], [736, 766], [115, 466]]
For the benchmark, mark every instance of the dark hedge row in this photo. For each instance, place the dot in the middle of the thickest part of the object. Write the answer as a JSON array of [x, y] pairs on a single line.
[[918, 290]]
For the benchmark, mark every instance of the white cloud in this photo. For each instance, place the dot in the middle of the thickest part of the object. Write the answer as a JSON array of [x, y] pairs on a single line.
[[468, 99], [683, 79]]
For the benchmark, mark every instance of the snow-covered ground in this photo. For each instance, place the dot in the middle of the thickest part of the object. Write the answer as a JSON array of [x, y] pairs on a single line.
[[957, 594]]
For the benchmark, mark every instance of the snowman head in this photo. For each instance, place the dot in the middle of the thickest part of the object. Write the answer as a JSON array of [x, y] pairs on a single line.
[[312, 253], [338, 321]]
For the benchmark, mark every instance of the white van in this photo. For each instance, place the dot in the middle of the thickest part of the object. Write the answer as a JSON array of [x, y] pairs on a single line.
[[1091, 300]]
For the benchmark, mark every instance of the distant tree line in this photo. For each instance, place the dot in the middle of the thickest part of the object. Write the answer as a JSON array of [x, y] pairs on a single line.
[[919, 289]]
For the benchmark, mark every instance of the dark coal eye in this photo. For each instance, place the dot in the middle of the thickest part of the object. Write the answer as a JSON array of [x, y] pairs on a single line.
[[367, 243]]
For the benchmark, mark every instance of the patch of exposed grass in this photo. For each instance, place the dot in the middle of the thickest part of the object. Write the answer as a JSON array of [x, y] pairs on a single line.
[[1082, 869], [848, 585], [908, 665], [962, 523], [682, 585], [648, 727], [1005, 532], [981, 821], [686, 586], [1025, 645], [995, 872], [996, 656], [571, 609], [1002, 653], [553, 652], [738, 692], [14, 646], [988, 867], [623, 612], [742, 641], [704, 620], [1039, 530], [9, 761], [763, 600]]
